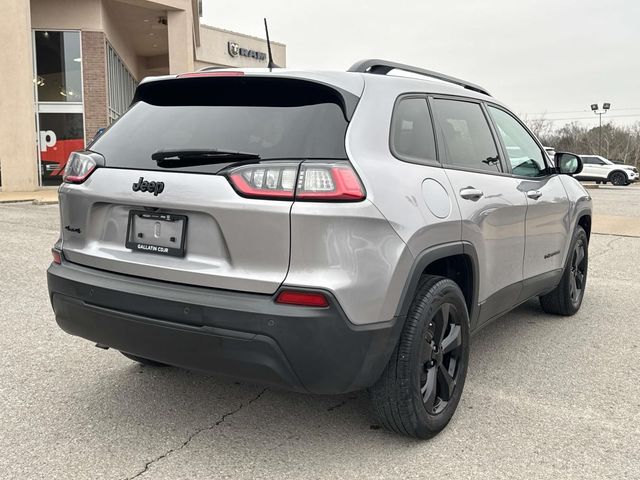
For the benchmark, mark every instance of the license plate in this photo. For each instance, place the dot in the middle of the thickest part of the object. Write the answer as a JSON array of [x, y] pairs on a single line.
[[160, 233]]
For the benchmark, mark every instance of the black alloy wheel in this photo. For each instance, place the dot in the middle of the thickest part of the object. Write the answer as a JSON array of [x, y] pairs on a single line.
[[567, 297], [578, 272], [619, 179], [419, 390], [441, 355]]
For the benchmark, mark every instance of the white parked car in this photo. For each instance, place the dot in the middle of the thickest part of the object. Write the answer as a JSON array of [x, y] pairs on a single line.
[[599, 169]]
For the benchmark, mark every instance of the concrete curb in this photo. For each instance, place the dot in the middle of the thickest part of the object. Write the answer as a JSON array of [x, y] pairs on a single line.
[[34, 201], [37, 197], [616, 225]]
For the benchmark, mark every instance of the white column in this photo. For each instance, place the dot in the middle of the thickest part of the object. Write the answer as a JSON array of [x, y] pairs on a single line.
[[18, 152], [180, 26]]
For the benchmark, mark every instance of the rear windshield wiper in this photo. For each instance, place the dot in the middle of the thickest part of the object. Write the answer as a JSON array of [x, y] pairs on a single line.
[[195, 157]]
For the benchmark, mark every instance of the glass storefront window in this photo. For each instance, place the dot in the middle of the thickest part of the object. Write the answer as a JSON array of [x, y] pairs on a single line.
[[60, 134], [58, 66], [58, 84]]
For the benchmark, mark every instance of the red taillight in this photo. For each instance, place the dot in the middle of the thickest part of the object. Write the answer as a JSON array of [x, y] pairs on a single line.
[[323, 182], [275, 180], [311, 181], [212, 74], [57, 256], [79, 167], [304, 299]]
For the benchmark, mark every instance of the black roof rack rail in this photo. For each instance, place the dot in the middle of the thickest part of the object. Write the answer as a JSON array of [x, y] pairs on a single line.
[[382, 67]]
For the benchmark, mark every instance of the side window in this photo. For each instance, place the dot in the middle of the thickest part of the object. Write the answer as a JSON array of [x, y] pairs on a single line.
[[524, 154], [467, 138], [589, 161], [411, 130]]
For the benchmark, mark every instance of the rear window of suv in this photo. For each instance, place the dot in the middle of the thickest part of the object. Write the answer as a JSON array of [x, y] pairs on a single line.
[[273, 118], [591, 160]]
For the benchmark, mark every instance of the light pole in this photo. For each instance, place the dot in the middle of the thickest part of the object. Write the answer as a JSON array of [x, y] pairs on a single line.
[[605, 109]]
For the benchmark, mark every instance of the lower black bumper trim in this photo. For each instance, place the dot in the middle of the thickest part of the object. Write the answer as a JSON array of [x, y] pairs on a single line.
[[245, 336]]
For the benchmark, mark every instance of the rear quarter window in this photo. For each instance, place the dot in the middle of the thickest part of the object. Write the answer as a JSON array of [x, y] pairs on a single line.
[[412, 138]]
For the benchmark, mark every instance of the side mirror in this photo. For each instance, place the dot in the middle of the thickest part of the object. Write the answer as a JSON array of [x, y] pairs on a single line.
[[568, 163]]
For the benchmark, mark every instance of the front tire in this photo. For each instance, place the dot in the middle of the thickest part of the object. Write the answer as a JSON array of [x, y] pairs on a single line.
[[566, 298], [421, 386], [619, 179]]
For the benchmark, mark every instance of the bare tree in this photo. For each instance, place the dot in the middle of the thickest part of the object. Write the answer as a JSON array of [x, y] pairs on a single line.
[[540, 126], [620, 143]]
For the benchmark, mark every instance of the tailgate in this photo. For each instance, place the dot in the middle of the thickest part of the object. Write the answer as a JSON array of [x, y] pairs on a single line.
[[215, 237], [230, 242]]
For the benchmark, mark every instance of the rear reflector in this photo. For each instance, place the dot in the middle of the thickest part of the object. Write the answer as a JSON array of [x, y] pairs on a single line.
[[311, 181], [304, 299], [57, 256]]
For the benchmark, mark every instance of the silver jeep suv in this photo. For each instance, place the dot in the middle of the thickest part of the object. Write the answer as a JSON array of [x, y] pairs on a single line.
[[322, 232]]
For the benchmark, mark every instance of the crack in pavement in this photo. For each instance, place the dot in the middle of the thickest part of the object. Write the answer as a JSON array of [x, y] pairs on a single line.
[[148, 465], [342, 404]]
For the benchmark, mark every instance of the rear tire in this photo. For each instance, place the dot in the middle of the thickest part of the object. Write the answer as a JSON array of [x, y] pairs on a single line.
[[566, 298], [421, 386], [144, 361]]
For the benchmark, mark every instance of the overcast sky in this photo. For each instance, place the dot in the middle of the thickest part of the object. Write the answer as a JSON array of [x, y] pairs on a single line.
[[537, 56]]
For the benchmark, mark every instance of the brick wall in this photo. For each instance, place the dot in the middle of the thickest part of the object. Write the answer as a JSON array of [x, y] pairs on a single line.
[[95, 82]]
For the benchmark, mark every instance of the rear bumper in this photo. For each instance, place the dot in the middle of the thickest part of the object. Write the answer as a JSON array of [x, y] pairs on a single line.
[[246, 336]]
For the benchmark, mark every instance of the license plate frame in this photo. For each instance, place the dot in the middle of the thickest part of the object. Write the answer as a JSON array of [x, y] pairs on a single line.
[[139, 224]]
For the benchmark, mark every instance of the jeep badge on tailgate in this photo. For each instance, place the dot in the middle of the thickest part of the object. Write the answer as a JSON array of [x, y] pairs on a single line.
[[144, 186]]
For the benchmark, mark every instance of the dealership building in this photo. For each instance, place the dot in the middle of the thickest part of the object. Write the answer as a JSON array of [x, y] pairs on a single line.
[[70, 67]]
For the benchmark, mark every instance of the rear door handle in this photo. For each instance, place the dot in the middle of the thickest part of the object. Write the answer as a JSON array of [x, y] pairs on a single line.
[[471, 193], [534, 194]]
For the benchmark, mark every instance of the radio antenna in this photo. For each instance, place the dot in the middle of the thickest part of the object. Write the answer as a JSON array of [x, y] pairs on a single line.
[[271, 65]]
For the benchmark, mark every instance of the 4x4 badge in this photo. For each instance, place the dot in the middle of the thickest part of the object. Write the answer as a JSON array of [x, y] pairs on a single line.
[[143, 186]]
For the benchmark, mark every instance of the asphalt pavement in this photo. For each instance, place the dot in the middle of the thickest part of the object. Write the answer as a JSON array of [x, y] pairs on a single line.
[[546, 397]]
